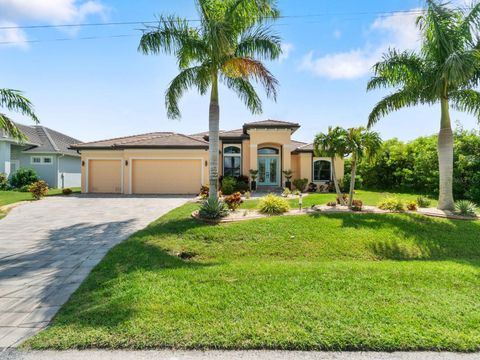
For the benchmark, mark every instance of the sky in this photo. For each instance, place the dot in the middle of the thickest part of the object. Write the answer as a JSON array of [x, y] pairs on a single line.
[[91, 83]]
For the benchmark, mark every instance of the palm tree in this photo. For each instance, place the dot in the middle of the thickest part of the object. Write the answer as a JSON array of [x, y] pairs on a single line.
[[445, 71], [361, 144], [14, 100], [332, 144], [225, 46]]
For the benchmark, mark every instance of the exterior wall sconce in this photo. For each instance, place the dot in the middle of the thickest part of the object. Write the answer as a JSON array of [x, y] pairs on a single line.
[[126, 162], [206, 162], [83, 162]]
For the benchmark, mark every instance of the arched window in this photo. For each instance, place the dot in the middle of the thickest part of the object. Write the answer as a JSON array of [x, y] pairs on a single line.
[[322, 170], [267, 151], [232, 160]]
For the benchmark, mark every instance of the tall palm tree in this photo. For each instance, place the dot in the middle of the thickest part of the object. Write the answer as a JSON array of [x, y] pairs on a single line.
[[14, 100], [361, 144], [445, 71], [332, 144], [226, 46]]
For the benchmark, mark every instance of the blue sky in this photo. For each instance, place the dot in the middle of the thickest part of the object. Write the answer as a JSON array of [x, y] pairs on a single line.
[[102, 88]]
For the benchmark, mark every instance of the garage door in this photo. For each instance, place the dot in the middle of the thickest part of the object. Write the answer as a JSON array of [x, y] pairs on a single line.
[[105, 176], [176, 176]]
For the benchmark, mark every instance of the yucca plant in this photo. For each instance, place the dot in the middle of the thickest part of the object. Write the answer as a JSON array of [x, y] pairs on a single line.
[[465, 208]]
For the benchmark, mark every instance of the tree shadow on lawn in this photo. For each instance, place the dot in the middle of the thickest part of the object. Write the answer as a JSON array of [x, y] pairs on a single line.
[[435, 239]]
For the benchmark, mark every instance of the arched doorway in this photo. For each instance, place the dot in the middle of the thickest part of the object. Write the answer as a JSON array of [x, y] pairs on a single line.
[[268, 166]]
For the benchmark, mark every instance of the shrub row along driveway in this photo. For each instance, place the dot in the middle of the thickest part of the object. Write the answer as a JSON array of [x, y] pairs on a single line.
[[48, 247]]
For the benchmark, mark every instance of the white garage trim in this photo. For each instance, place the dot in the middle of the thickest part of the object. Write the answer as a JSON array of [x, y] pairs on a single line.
[[102, 158], [130, 160]]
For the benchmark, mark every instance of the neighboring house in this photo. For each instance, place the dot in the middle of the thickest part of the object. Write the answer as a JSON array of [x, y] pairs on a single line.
[[171, 163], [46, 151]]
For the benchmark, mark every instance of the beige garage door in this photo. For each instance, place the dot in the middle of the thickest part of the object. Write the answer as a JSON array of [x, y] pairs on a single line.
[[176, 176], [105, 176]]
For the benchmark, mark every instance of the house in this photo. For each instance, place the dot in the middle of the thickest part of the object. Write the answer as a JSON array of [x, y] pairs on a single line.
[[171, 163], [46, 151]]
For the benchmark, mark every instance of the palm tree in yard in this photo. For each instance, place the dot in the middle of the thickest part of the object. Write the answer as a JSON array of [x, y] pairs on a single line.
[[332, 144], [13, 100], [226, 46], [445, 71], [360, 144]]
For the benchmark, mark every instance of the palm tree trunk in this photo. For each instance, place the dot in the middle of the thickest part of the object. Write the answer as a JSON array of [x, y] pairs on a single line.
[[213, 140], [352, 179], [335, 182], [445, 159]]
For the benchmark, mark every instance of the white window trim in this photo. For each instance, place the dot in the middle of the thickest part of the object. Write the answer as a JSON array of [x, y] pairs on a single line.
[[42, 160], [313, 170], [232, 155]]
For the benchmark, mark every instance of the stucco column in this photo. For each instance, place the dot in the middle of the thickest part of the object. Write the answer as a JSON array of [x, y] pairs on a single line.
[[286, 160], [5, 158], [306, 166], [253, 156]]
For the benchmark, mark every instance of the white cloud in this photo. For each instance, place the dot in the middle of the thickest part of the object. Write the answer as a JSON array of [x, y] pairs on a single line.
[[397, 30], [337, 34], [53, 12], [16, 37], [287, 49]]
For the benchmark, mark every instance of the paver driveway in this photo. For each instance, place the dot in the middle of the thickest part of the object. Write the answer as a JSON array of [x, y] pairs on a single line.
[[48, 247]]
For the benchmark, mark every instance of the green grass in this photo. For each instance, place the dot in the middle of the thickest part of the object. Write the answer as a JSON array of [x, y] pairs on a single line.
[[330, 282], [368, 198], [10, 197]]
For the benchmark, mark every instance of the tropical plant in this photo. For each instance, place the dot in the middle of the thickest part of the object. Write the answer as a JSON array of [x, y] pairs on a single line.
[[286, 192], [423, 202], [253, 174], [229, 184], [412, 205], [23, 177], [233, 201], [38, 189], [361, 144], [288, 174], [273, 205], [465, 208], [204, 189], [225, 46], [4, 182], [14, 100], [332, 144], [445, 71], [332, 204], [357, 205], [300, 184], [392, 203], [213, 208]]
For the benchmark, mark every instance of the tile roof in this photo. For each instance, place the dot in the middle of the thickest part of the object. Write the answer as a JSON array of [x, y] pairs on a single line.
[[271, 124], [223, 134], [305, 148], [41, 139], [149, 140]]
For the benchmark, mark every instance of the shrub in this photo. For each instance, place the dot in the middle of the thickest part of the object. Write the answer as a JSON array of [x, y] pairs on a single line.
[[38, 189], [272, 205], [296, 192], [248, 194], [332, 204], [242, 187], [465, 208], [67, 191], [233, 201], [312, 187], [344, 197], [357, 205], [300, 184], [4, 182], [392, 204], [286, 192], [204, 191], [213, 209], [229, 185], [23, 177], [412, 205], [423, 202]]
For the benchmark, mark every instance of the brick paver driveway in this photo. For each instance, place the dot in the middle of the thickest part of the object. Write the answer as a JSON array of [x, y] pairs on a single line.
[[48, 247]]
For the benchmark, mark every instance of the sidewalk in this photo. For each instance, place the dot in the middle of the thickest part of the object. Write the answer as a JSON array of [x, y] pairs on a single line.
[[229, 355]]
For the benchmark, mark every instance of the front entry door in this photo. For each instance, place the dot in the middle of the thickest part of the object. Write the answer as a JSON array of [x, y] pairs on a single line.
[[268, 171]]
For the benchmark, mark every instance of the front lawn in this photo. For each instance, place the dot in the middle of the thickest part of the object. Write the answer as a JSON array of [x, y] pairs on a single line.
[[331, 282], [10, 197], [368, 198]]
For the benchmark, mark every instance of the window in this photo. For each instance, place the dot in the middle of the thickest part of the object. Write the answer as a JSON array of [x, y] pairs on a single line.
[[322, 170], [41, 160], [232, 161], [267, 151]]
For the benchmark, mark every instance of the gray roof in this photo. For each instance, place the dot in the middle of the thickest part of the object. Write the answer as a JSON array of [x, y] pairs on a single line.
[[41, 139], [149, 140]]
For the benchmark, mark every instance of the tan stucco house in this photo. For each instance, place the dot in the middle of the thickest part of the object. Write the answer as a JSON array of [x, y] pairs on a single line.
[[171, 163]]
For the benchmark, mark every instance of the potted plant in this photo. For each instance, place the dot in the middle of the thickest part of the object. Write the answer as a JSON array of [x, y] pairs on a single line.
[[288, 175], [253, 183]]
